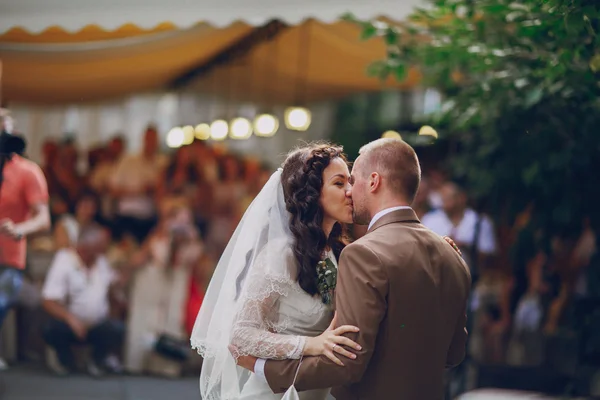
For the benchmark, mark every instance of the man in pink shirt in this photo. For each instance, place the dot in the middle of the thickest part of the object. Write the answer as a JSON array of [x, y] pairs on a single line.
[[23, 210]]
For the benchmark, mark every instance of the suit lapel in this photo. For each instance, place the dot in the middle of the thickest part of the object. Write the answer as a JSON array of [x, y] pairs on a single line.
[[404, 215]]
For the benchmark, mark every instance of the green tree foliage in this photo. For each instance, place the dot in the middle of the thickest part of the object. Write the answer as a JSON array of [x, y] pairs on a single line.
[[521, 86]]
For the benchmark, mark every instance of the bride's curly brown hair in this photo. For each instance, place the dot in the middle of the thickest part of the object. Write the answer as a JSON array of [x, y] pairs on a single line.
[[302, 181]]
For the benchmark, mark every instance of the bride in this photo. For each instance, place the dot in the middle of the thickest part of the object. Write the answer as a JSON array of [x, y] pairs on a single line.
[[272, 293]]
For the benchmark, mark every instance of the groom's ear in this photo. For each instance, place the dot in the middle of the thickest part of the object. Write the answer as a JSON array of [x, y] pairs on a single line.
[[374, 181]]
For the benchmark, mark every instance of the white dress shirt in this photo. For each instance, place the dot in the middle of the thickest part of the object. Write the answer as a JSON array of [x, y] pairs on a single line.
[[381, 213], [259, 368], [84, 291]]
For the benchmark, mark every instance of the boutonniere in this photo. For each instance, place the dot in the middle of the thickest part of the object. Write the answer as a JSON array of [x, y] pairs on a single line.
[[326, 280]]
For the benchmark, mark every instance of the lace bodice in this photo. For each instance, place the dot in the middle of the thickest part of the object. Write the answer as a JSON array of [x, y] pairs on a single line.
[[276, 315]]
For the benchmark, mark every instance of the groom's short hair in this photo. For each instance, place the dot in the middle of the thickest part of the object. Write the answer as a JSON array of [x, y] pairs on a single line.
[[395, 160]]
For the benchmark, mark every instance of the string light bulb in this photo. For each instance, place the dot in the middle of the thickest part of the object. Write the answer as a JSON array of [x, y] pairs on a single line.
[[188, 134], [219, 130], [391, 135], [297, 118], [240, 128], [175, 138], [266, 125], [427, 130], [202, 131]]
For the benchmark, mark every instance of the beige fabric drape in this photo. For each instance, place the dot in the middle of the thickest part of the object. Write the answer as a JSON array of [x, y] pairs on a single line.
[[327, 61]]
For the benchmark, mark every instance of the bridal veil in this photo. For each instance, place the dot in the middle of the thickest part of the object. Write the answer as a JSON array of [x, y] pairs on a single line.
[[254, 270]]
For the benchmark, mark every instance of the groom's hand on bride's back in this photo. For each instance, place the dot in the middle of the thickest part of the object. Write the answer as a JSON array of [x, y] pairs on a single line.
[[247, 362]]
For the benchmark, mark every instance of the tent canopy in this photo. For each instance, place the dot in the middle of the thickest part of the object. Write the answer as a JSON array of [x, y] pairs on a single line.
[[72, 51], [72, 15]]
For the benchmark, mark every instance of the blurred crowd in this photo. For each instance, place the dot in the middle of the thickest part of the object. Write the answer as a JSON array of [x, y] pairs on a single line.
[[528, 286], [154, 225], [150, 228]]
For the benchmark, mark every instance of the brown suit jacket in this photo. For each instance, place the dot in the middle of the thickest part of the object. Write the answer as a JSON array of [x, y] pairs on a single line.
[[406, 289]]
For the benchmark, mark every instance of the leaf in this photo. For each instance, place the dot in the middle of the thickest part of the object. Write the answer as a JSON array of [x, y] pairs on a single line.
[[378, 69], [595, 63], [494, 8], [391, 36], [349, 17], [400, 72], [369, 31], [588, 25], [574, 23], [518, 6], [468, 116], [533, 97]]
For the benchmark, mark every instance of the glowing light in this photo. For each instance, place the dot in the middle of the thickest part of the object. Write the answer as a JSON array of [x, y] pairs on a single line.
[[297, 118], [175, 138], [219, 129], [391, 135], [427, 130], [266, 125], [188, 134], [240, 128], [202, 132]]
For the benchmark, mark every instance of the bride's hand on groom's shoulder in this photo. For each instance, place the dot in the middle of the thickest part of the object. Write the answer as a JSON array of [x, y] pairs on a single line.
[[453, 244], [331, 342]]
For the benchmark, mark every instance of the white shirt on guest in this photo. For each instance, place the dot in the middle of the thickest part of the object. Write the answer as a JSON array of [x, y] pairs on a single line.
[[464, 232], [136, 173], [83, 290]]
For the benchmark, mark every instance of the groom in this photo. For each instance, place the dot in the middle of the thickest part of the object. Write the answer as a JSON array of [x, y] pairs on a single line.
[[401, 284]]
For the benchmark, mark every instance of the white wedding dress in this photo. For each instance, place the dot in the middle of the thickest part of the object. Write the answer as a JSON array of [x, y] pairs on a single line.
[[293, 316], [254, 306]]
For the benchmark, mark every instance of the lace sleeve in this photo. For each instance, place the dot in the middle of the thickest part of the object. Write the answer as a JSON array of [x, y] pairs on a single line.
[[254, 330]]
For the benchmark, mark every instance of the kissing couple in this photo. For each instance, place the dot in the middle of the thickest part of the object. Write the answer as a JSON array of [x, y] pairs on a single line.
[[294, 310]]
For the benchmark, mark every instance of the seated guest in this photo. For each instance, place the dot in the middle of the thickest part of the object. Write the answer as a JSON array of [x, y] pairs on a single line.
[[160, 287], [68, 227], [77, 294]]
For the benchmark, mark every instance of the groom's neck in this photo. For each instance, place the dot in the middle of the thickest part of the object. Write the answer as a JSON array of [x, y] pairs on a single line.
[[389, 202]]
